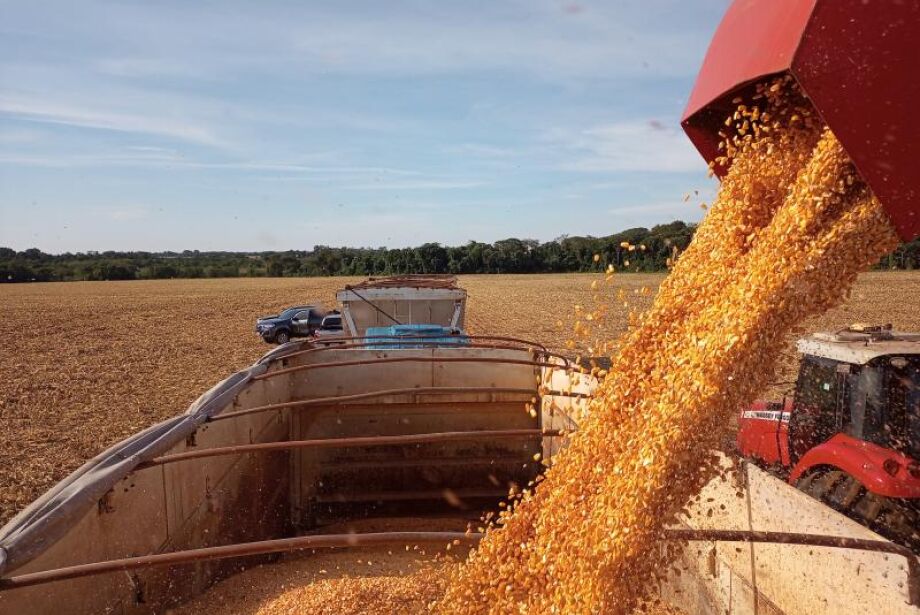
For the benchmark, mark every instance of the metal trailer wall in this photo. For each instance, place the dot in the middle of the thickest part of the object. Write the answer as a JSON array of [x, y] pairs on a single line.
[[325, 478], [771, 579], [110, 509], [563, 404], [107, 510], [439, 306]]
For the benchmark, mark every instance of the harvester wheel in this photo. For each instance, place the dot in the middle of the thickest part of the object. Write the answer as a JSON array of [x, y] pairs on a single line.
[[867, 508], [819, 483], [846, 493], [894, 519]]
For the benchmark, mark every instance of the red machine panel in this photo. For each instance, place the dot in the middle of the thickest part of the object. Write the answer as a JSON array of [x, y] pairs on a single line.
[[763, 432], [859, 63]]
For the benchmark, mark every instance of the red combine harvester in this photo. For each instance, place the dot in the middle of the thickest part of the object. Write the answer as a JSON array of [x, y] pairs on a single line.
[[856, 62], [850, 435]]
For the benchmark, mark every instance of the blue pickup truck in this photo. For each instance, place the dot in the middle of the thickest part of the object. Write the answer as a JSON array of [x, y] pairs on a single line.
[[297, 321]]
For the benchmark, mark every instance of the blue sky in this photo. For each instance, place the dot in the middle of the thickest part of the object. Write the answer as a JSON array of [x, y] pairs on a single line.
[[232, 125]]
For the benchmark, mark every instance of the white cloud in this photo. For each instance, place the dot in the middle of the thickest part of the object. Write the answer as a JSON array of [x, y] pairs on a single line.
[[19, 136], [543, 38], [422, 184], [533, 37], [386, 227], [239, 103], [157, 157], [676, 207], [480, 150], [302, 168], [151, 148], [630, 146], [123, 213], [147, 67], [42, 110]]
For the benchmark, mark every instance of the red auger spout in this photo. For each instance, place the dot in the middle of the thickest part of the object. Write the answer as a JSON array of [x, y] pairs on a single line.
[[858, 61]]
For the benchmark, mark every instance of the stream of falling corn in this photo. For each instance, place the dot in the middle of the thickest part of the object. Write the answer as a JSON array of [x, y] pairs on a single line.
[[792, 226]]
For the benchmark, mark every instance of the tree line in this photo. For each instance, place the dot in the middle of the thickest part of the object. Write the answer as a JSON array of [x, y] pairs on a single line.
[[637, 249]]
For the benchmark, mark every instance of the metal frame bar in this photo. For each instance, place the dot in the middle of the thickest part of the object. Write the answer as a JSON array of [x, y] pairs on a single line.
[[326, 541], [403, 338], [348, 318], [333, 345], [425, 438], [813, 540], [261, 547], [493, 461], [458, 313], [405, 496], [380, 360], [338, 399], [351, 289]]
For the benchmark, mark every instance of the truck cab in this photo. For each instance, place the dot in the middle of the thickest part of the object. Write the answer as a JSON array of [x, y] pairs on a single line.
[[298, 321], [850, 435], [331, 326]]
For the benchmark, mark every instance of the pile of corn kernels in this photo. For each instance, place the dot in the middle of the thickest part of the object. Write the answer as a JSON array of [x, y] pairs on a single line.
[[792, 226]]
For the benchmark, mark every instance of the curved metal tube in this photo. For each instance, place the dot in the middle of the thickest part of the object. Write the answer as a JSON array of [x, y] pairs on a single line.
[[423, 438], [389, 538], [298, 368], [403, 338], [337, 399], [261, 547], [332, 345], [814, 540]]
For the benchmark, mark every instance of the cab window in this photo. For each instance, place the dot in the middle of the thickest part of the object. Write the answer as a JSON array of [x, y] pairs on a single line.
[[902, 428], [864, 401], [816, 417], [817, 385]]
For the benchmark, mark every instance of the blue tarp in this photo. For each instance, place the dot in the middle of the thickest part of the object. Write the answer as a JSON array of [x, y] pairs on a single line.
[[417, 336]]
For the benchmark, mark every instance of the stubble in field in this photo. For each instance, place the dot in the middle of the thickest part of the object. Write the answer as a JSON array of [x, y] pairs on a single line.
[[84, 365]]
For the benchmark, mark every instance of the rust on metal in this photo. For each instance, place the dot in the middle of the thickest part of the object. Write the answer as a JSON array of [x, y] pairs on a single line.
[[327, 541], [412, 338], [411, 280], [402, 496], [428, 336], [262, 547], [424, 438], [338, 399], [814, 540], [379, 360], [448, 462], [333, 344]]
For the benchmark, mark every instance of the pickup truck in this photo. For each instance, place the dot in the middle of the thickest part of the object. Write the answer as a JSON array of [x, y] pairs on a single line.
[[297, 321], [331, 326]]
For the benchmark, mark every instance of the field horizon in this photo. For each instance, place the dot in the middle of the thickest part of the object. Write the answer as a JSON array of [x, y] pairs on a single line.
[[87, 364]]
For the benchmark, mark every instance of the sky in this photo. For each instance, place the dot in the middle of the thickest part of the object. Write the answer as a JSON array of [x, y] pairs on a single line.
[[230, 125]]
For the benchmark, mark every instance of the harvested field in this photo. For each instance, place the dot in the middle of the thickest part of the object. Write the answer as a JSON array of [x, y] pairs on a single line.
[[84, 365]]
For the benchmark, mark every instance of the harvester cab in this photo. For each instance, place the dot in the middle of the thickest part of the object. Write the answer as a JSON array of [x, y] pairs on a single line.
[[850, 435]]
